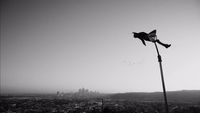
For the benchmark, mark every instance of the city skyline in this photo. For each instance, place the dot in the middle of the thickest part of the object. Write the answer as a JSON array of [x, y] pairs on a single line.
[[49, 46]]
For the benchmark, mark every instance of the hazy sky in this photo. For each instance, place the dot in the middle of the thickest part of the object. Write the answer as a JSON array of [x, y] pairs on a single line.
[[63, 45]]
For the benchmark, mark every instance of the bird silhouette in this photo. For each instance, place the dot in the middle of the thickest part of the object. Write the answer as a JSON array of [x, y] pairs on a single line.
[[152, 37]]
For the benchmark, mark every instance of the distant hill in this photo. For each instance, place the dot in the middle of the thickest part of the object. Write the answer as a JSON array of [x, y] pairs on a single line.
[[183, 96]]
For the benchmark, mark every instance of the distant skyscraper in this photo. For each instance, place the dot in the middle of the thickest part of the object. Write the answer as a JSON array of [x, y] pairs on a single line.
[[57, 93]]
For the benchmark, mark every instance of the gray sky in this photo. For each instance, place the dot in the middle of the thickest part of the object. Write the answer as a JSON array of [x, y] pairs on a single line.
[[57, 45]]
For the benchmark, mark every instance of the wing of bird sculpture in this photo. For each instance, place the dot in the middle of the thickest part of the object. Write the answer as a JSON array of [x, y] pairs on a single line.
[[152, 36]]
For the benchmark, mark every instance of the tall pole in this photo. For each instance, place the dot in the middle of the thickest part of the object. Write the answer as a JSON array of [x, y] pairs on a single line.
[[162, 78]]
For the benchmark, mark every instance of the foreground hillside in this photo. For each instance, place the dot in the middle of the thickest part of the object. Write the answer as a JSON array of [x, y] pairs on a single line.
[[91, 105]]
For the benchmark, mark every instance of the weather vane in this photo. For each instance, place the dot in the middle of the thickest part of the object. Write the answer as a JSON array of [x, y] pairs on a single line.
[[152, 37]]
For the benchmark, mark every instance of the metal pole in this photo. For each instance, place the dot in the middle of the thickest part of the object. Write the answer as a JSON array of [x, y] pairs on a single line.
[[162, 78]]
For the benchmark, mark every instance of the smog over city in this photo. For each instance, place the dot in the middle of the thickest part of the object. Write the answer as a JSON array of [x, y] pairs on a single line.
[[114, 52]]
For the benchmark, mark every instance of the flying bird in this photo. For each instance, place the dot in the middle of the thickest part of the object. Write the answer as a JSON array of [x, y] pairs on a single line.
[[152, 37]]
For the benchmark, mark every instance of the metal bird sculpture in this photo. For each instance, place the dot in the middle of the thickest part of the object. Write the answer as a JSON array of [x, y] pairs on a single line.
[[152, 37]]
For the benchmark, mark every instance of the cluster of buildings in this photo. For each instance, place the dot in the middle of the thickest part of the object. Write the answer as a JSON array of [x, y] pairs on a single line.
[[81, 93]]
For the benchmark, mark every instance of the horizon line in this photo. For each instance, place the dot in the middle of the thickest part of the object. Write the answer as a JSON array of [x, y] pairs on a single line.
[[50, 93]]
